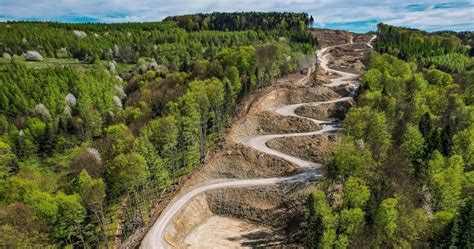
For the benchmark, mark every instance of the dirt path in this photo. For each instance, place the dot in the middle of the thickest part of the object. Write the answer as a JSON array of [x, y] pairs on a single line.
[[307, 170]]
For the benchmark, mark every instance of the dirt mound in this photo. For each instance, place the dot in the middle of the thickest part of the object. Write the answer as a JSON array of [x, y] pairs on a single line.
[[260, 116], [270, 205], [238, 161], [326, 112], [361, 38], [350, 58], [264, 123], [308, 148], [195, 213], [329, 37]]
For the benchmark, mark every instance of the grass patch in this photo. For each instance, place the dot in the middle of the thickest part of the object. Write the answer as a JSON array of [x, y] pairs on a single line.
[[48, 62]]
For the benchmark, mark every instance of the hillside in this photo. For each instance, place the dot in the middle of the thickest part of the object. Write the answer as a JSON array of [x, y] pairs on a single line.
[[93, 117], [400, 176], [248, 191]]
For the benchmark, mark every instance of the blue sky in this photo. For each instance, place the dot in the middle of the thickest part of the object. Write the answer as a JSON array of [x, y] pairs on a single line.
[[354, 15]]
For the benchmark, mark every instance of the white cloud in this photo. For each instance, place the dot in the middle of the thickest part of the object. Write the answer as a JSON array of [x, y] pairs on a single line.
[[324, 11]]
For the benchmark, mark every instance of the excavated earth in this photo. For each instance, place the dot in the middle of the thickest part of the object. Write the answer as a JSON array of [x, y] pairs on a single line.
[[307, 148], [266, 216]]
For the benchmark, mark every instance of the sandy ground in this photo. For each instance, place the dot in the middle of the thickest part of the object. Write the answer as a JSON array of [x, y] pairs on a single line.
[[228, 233]]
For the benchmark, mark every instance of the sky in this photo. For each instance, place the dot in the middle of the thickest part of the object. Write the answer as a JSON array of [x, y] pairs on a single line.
[[353, 15]]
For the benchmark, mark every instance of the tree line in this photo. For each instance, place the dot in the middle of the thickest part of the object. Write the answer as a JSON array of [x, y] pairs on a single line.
[[244, 21]]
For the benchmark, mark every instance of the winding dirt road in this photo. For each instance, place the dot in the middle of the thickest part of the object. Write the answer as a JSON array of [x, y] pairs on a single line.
[[307, 170]]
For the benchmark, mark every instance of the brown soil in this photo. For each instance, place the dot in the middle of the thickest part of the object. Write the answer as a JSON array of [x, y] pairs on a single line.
[[308, 148], [326, 112], [258, 115], [232, 233], [250, 217], [329, 37]]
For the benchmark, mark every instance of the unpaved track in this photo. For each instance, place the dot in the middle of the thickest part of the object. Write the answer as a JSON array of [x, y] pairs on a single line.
[[307, 170]]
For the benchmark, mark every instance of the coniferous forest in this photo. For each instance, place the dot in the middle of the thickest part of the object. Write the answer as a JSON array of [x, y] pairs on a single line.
[[402, 174], [106, 111]]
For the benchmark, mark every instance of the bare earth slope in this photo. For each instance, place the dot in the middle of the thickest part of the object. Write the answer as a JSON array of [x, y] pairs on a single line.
[[250, 194]]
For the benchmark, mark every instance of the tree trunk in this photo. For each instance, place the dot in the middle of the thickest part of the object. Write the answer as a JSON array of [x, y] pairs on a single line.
[[100, 217]]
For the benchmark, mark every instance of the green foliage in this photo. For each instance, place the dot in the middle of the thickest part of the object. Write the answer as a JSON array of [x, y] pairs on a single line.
[[447, 180], [386, 220], [14, 189], [62, 212], [342, 242], [119, 140], [453, 62], [70, 215], [351, 222], [22, 88], [243, 21], [414, 146], [126, 172], [464, 146], [43, 203], [411, 43], [350, 159], [163, 134], [408, 137], [439, 78], [328, 228], [244, 60], [371, 127], [21, 227], [92, 191], [188, 120], [37, 128], [320, 220], [355, 194], [155, 165], [463, 236], [8, 160], [372, 79], [151, 122]]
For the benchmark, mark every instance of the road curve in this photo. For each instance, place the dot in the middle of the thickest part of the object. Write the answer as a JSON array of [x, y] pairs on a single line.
[[307, 170]]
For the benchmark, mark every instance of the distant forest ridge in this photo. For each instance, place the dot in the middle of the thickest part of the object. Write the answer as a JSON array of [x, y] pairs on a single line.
[[224, 21], [243, 21], [429, 43]]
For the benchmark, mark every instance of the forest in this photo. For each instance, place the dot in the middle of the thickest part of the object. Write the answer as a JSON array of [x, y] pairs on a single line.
[[401, 175], [113, 109], [244, 21]]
